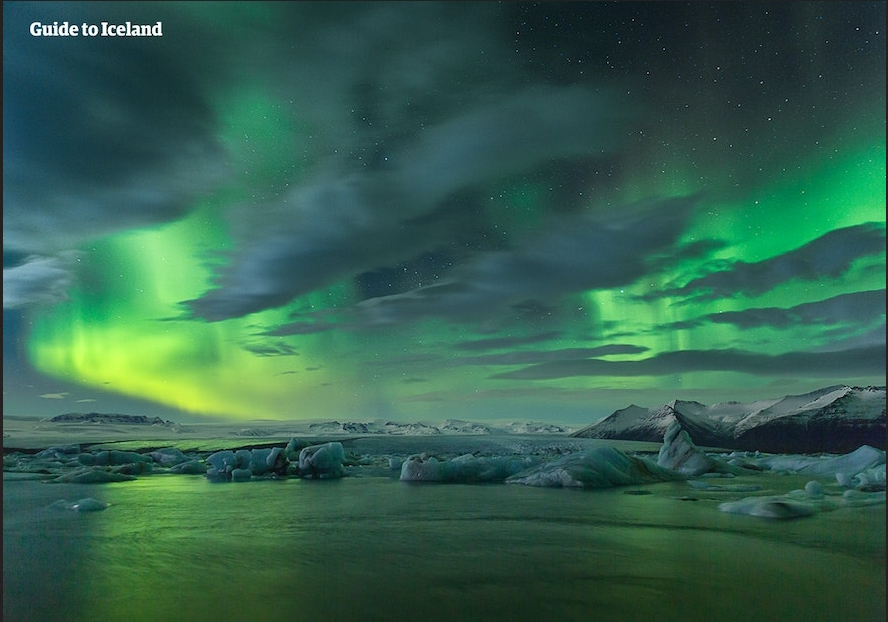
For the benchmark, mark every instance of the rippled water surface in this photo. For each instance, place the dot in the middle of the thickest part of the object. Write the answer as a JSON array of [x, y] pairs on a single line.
[[174, 547]]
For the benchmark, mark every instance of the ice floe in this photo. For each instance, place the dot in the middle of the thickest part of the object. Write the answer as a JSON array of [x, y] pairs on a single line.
[[855, 479]]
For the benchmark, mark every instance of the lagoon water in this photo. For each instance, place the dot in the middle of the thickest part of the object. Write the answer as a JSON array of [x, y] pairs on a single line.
[[175, 547]]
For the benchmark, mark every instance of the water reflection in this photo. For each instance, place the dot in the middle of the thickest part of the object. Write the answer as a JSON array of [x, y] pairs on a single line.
[[178, 547]]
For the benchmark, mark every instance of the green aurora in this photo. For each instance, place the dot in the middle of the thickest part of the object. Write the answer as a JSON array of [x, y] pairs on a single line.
[[758, 191]]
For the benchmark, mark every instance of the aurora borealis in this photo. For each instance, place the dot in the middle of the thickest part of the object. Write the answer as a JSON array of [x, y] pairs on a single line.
[[417, 211]]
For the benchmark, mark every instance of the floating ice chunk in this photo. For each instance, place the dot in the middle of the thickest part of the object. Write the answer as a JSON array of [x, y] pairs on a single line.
[[814, 488], [798, 503], [845, 480], [87, 504], [241, 475], [221, 460], [116, 458], [258, 464], [266, 460], [216, 475], [192, 467], [322, 461], [861, 459], [86, 459], [679, 453], [420, 468], [242, 459], [51, 466], [870, 479], [133, 468], [497, 469], [276, 460], [58, 452], [292, 450], [169, 456], [602, 467], [221, 465], [781, 507], [466, 468], [89, 475]]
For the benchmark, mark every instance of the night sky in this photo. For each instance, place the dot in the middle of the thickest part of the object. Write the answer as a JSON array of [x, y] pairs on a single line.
[[420, 211]]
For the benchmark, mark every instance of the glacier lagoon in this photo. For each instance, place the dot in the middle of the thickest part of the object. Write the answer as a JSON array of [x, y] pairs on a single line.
[[371, 547]]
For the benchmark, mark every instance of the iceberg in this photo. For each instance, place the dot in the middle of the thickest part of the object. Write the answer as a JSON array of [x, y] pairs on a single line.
[[781, 507], [87, 504], [601, 467], [800, 503], [679, 453], [466, 468], [322, 461]]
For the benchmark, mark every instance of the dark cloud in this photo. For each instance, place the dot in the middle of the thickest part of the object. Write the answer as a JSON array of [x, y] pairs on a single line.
[[100, 134], [496, 343], [856, 309], [519, 357], [407, 123], [571, 255], [831, 364], [829, 256], [276, 349], [342, 222], [859, 308], [38, 280]]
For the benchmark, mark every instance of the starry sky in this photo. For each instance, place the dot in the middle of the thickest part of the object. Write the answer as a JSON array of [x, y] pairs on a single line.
[[420, 211]]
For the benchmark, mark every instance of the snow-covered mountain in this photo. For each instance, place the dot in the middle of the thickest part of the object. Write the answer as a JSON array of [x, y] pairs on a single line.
[[373, 427], [836, 419], [108, 418], [449, 426]]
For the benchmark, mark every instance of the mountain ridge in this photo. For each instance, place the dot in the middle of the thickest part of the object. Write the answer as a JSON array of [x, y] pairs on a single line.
[[834, 419]]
